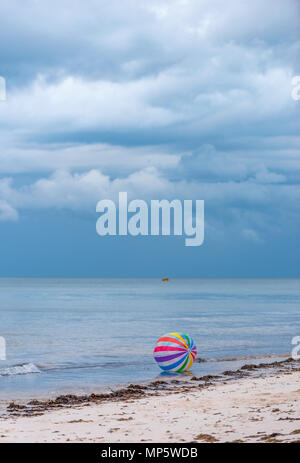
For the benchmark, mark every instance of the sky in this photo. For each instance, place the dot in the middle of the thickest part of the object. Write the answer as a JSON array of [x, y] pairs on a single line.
[[187, 99]]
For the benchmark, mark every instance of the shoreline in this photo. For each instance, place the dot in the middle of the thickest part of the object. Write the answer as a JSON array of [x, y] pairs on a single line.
[[171, 379], [268, 389], [208, 366]]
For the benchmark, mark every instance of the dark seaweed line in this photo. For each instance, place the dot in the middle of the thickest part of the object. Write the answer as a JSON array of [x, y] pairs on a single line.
[[136, 391]]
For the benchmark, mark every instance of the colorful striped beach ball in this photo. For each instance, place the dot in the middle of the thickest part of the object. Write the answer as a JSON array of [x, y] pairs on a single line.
[[175, 352]]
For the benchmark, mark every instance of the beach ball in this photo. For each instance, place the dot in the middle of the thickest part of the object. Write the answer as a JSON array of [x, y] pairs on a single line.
[[175, 352]]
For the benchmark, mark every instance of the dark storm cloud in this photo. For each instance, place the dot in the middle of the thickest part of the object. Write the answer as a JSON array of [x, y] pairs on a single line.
[[163, 98]]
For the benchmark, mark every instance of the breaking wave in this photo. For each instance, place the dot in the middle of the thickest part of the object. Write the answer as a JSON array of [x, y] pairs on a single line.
[[24, 369]]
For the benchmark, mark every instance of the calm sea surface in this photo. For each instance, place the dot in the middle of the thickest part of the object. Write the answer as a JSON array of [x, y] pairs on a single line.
[[79, 335]]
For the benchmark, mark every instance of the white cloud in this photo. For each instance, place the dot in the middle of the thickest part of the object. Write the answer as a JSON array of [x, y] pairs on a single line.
[[79, 191], [265, 176], [251, 235], [254, 209], [202, 98], [194, 65], [70, 156], [201, 89], [7, 212]]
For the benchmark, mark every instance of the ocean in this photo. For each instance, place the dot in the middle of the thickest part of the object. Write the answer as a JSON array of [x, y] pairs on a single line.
[[83, 335]]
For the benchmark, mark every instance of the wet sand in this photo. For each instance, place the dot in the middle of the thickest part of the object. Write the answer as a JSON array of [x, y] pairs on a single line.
[[257, 403]]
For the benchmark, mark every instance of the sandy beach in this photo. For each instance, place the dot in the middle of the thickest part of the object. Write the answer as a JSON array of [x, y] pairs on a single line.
[[252, 404]]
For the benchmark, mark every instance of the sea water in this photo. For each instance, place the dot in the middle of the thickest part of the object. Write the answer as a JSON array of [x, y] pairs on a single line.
[[83, 335]]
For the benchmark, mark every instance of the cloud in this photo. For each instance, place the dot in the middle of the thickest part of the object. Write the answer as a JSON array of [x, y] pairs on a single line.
[[112, 41], [162, 98], [144, 68], [7, 212], [256, 165], [185, 97], [76, 156], [265, 176], [250, 208], [251, 235], [80, 191]]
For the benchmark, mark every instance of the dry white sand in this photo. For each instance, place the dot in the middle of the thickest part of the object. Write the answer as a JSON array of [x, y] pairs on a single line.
[[247, 409]]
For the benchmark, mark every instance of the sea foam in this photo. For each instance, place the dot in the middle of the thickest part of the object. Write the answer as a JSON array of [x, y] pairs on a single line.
[[24, 369]]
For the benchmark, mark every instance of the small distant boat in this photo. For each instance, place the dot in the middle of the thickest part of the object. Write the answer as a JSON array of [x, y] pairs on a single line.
[[165, 279]]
